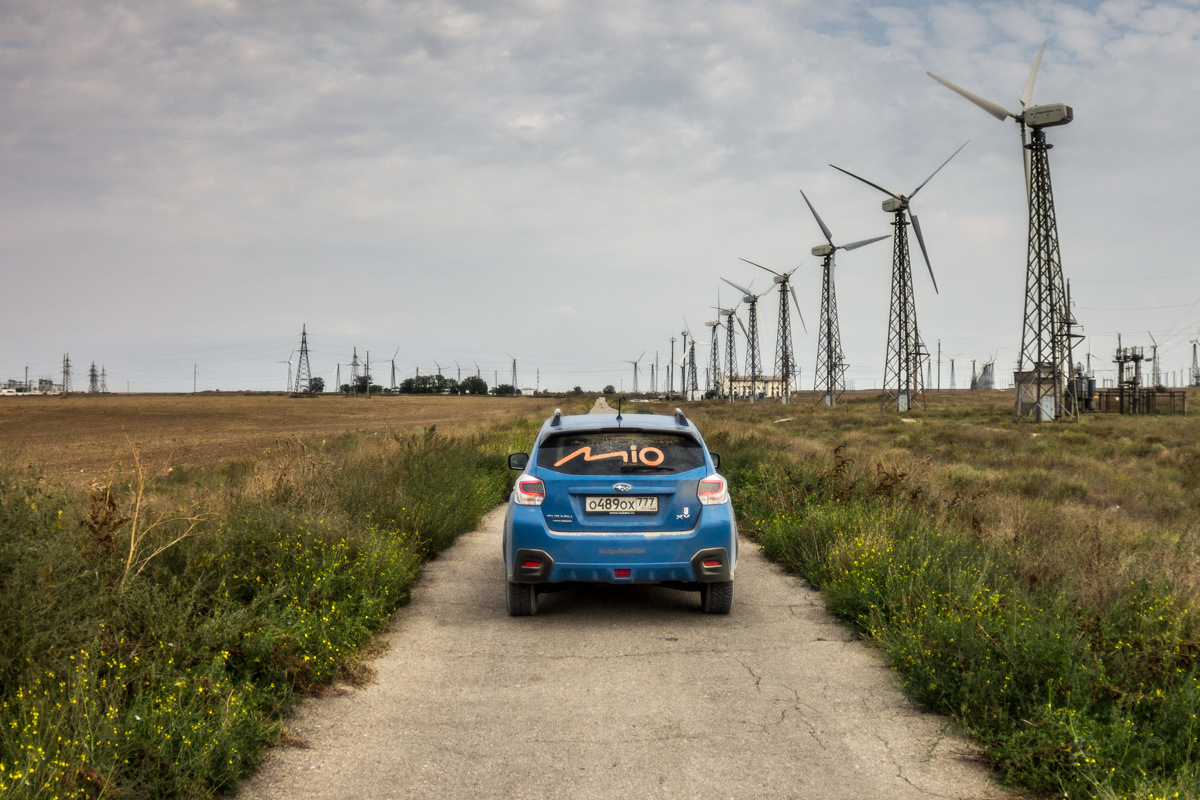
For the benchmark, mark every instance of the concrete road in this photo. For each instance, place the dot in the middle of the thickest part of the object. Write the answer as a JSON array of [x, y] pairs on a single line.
[[618, 692]]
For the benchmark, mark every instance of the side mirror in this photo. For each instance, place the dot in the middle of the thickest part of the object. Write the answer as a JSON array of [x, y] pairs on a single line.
[[518, 460], [716, 459]]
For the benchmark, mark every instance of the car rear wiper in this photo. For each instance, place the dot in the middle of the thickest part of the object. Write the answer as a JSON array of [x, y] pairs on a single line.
[[645, 468]]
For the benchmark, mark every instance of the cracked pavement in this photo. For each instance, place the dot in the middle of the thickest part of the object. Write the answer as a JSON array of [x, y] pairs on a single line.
[[618, 692]]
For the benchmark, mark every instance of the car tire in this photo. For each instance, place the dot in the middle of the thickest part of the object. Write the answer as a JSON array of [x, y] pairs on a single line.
[[522, 599], [716, 598]]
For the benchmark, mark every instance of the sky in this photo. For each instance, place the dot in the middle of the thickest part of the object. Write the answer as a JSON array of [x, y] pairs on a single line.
[[184, 185]]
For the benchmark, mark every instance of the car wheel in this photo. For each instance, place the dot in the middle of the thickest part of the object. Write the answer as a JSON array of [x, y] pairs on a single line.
[[522, 600], [716, 598]]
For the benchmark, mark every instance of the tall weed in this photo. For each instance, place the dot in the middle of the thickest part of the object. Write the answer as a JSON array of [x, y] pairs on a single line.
[[137, 670]]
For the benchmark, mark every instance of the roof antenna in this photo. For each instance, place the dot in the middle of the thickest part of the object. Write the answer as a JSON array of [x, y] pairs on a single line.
[[618, 409]]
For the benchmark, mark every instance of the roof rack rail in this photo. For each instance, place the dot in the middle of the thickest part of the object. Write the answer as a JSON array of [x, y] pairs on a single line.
[[680, 419], [556, 420]]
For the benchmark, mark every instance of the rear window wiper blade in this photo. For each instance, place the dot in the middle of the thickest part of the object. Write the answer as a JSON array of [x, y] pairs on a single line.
[[645, 468]]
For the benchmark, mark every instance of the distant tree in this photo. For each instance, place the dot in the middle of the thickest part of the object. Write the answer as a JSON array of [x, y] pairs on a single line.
[[422, 384], [609, 389], [473, 385], [504, 390], [316, 385], [577, 390]]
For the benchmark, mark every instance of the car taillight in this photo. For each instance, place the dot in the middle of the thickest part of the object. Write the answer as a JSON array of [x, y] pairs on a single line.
[[529, 492], [713, 491]]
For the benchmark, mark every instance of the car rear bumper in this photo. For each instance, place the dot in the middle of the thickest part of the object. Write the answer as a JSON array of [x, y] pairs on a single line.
[[707, 554]]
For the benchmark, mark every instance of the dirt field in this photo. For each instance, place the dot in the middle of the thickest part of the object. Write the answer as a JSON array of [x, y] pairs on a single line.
[[80, 438]]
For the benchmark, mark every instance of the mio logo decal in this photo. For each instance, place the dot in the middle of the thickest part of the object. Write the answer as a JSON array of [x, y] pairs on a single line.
[[650, 456]]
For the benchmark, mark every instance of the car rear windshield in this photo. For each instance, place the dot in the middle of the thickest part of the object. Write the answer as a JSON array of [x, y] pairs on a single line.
[[620, 453]]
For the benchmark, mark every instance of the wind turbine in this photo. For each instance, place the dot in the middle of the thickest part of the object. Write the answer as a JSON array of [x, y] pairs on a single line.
[[902, 382], [1046, 361], [635, 370], [289, 378], [785, 364], [690, 386], [753, 366], [516, 391], [394, 368], [337, 377], [714, 357], [831, 362], [730, 346]]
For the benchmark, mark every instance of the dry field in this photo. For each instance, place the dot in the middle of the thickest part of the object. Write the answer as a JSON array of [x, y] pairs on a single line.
[[80, 438]]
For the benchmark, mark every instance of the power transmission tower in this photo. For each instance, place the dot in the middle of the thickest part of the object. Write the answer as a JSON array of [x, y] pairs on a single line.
[[66, 374], [103, 380], [303, 371], [93, 379], [354, 371], [1195, 364]]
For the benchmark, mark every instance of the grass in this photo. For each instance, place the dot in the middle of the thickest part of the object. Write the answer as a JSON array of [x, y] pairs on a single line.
[[1036, 583], [154, 633]]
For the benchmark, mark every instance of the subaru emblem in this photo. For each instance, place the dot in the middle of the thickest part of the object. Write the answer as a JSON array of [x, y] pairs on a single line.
[[622, 487]]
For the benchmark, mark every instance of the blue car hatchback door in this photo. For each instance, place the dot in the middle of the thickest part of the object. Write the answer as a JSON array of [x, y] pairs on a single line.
[[607, 498]]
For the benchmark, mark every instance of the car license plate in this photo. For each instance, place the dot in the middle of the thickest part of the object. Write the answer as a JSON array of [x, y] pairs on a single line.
[[620, 505]]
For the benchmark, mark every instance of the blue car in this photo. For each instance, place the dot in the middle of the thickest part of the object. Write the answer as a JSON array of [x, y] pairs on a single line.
[[607, 498]]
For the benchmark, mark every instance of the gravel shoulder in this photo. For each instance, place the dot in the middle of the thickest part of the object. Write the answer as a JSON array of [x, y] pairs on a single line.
[[618, 692]]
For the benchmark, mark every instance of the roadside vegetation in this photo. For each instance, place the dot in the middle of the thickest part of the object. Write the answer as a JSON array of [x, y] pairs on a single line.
[[1037, 583], [155, 630]]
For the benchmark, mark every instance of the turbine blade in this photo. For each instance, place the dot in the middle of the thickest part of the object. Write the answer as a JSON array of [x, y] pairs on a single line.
[[939, 169], [924, 252], [800, 314], [743, 327], [639, 360], [1027, 91], [760, 266], [739, 288], [864, 180], [995, 109], [863, 243], [688, 328], [824, 230]]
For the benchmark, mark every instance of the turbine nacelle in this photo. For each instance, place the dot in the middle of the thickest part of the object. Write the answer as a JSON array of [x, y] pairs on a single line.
[[1048, 116], [778, 279], [894, 204], [822, 250]]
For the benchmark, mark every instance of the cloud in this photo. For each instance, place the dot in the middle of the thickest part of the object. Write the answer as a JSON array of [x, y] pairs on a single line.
[[195, 180]]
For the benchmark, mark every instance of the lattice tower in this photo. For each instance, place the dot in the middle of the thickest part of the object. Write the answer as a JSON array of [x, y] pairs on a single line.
[[830, 380], [714, 360], [303, 371], [731, 370], [93, 379], [1047, 336], [902, 383], [785, 365], [753, 367], [66, 374]]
